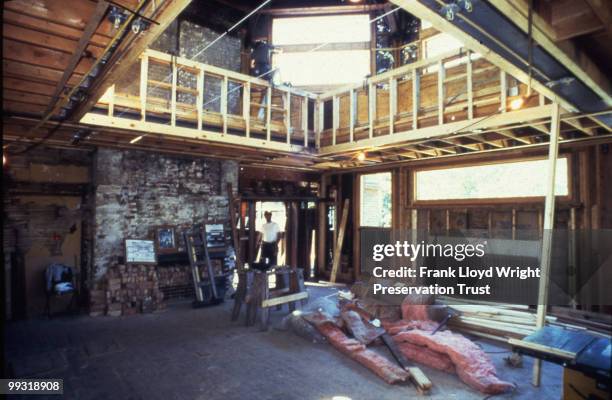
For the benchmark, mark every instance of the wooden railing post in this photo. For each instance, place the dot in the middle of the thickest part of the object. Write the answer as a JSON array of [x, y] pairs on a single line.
[[392, 103], [352, 113], [111, 101], [288, 115], [319, 109], [440, 92], [503, 88], [371, 107], [269, 113], [144, 78], [173, 93], [200, 98], [470, 90], [415, 98], [335, 118], [246, 108], [305, 120], [224, 86]]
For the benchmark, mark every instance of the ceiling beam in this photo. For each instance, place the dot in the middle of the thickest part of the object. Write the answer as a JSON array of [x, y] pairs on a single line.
[[90, 29], [439, 22], [566, 52], [130, 52]]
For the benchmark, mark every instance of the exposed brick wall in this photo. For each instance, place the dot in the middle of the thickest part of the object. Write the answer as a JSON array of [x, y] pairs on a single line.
[[136, 191]]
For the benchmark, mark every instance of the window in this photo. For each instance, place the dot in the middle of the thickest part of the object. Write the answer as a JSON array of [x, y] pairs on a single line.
[[345, 59], [375, 200], [492, 181]]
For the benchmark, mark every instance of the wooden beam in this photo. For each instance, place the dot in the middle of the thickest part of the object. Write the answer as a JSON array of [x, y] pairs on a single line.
[[566, 53], [549, 223], [371, 108], [130, 52], [419, 10], [89, 31], [340, 242]]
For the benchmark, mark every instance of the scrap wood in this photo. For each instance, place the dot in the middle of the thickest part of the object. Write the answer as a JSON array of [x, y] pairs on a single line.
[[471, 363], [361, 330]]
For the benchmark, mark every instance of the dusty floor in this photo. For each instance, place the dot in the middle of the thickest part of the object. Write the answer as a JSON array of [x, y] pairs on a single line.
[[184, 353]]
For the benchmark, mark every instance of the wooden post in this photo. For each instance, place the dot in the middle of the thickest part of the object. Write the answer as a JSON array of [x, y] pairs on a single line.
[[335, 118], [305, 120], [322, 225], [288, 116], [371, 107], [415, 99], [235, 236], [352, 113], [503, 87], [549, 219], [318, 125], [144, 79], [440, 92], [470, 90], [392, 103], [224, 86], [173, 93], [111, 101], [338, 250], [269, 113], [572, 256], [200, 98], [246, 108]]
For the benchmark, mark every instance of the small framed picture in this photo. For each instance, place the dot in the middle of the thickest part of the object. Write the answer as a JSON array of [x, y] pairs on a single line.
[[165, 238]]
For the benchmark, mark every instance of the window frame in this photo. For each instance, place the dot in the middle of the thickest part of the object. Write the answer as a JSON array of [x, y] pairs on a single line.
[[392, 203], [325, 87], [491, 200]]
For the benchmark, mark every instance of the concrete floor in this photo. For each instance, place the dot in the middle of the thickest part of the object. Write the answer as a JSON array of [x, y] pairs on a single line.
[[187, 354]]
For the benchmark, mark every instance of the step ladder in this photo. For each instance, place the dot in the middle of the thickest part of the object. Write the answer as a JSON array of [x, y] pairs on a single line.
[[197, 250]]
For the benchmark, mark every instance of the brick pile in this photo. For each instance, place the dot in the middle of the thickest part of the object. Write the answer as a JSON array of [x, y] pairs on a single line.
[[127, 290]]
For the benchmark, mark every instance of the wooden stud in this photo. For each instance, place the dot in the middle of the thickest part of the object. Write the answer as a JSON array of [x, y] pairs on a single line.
[[549, 221], [144, 77], [111, 101]]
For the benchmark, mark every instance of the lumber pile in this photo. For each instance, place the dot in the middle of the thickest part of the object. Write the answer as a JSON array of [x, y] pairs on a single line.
[[126, 290]]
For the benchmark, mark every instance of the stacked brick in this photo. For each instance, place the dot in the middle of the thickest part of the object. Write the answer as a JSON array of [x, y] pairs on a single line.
[[127, 290]]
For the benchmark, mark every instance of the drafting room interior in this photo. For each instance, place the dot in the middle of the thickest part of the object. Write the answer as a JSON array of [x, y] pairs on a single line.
[[193, 190]]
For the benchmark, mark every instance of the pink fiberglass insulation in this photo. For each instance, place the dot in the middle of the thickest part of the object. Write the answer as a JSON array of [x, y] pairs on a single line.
[[381, 366], [471, 363], [423, 355]]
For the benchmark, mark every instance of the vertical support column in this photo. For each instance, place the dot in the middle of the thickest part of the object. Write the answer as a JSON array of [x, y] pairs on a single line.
[[371, 107], [268, 113], [200, 98], [335, 118], [415, 98], [224, 86], [549, 220], [144, 79], [572, 256], [352, 113], [111, 101], [173, 93], [440, 92], [305, 120], [470, 86], [503, 87], [322, 225], [392, 103], [288, 115], [246, 108]]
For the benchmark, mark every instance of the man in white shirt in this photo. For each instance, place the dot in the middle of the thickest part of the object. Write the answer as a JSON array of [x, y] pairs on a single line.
[[271, 237]]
